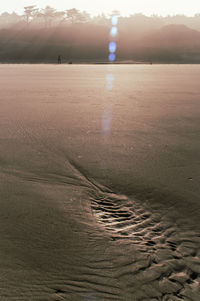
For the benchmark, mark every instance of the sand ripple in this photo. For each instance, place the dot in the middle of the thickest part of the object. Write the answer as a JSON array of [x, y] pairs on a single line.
[[171, 268], [168, 264]]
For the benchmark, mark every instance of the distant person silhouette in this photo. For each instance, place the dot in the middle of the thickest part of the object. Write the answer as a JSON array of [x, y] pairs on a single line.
[[59, 59]]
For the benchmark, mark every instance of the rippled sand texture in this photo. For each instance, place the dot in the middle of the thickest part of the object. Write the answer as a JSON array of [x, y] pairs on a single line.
[[99, 183]]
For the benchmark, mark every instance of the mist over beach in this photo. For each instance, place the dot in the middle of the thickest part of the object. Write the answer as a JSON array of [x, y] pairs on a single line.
[[39, 35]]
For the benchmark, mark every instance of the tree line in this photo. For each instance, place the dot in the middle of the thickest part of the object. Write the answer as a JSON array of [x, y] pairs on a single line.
[[41, 35], [34, 17], [48, 17]]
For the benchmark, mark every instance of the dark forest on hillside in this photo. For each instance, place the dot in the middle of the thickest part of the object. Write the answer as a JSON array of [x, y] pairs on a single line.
[[40, 35]]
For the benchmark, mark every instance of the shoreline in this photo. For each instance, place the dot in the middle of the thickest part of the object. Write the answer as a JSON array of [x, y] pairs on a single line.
[[99, 63]]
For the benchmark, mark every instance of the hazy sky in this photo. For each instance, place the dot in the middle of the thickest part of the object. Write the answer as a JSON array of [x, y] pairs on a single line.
[[126, 7]]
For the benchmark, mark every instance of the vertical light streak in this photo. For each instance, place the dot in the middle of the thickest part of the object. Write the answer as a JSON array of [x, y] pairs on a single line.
[[112, 48], [113, 45]]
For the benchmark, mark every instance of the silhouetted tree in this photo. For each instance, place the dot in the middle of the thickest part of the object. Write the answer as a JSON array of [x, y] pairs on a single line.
[[7, 19], [73, 15], [84, 17], [59, 16], [48, 13], [29, 12], [101, 19]]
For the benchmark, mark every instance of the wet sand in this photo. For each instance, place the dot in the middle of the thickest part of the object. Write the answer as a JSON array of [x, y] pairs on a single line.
[[99, 187]]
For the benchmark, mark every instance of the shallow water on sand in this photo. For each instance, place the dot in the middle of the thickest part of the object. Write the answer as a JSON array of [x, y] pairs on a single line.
[[99, 169]]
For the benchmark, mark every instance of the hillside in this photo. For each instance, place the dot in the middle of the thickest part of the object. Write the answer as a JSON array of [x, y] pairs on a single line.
[[83, 42]]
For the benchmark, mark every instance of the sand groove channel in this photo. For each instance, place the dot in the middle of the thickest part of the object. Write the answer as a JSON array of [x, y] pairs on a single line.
[[169, 268]]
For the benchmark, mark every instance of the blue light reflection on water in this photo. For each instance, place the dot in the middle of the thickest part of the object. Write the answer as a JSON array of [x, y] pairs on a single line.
[[106, 121], [107, 114], [112, 57], [113, 31], [114, 20], [112, 47], [109, 81]]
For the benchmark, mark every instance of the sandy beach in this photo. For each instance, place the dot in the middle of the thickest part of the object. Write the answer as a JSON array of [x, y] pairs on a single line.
[[99, 182]]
